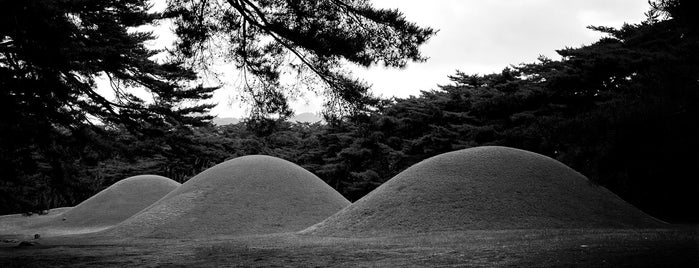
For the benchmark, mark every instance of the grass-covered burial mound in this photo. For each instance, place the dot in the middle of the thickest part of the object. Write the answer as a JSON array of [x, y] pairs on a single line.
[[247, 195], [483, 188], [116, 203]]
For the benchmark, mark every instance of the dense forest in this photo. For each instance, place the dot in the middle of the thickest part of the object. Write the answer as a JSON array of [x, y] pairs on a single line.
[[624, 111]]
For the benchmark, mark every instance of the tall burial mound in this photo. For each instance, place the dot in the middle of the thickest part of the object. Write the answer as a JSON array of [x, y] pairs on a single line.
[[483, 188], [247, 195], [115, 204]]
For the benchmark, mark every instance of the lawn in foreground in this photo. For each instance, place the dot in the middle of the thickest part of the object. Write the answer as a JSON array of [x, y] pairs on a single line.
[[677, 247]]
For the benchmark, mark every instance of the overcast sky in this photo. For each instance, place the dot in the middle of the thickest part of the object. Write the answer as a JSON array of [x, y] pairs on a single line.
[[485, 36], [477, 36]]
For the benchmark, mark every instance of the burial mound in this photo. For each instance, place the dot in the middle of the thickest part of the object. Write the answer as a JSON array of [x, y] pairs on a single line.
[[115, 204], [247, 195], [483, 188]]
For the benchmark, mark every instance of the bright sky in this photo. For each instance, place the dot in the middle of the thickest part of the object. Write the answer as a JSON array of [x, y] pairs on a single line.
[[485, 36], [477, 36]]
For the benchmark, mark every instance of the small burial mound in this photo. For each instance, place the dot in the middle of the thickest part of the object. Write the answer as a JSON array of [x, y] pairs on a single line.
[[483, 188], [247, 195], [110, 206]]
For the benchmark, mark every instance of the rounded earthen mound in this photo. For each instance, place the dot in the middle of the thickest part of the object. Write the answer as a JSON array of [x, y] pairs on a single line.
[[247, 195], [483, 188], [116, 203]]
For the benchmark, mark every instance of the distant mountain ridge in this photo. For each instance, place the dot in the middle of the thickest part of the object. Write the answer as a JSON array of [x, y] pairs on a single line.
[[222, 121], [300, 118]]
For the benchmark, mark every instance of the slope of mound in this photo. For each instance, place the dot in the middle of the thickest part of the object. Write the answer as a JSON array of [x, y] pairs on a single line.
[[10, 224], [483, 188], [247, 195], [116, 203]]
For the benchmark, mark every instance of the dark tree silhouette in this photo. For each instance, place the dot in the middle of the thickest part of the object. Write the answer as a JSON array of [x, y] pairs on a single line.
[[299, 39], [51, 53]]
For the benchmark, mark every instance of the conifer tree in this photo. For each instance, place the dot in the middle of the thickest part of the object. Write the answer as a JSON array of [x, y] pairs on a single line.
[[306, 41], [51, 54]]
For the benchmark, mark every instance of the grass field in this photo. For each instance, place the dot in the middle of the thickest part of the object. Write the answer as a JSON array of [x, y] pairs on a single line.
[[675, 247], [482, 207]]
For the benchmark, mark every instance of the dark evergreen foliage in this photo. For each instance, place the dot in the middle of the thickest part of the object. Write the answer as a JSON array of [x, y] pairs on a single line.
[[305, 41], [51, 53]]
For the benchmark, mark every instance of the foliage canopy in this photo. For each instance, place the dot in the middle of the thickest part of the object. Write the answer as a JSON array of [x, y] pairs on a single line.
[[51, 54], [306, 42]]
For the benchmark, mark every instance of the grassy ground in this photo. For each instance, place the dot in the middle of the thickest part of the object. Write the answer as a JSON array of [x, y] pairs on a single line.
[[423, 220], [677, 247]]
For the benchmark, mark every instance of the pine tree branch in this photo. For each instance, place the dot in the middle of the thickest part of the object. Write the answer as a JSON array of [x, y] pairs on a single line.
[[265, 26]]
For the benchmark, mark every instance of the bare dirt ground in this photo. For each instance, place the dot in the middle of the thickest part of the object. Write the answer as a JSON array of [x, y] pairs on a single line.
[[675, 247]]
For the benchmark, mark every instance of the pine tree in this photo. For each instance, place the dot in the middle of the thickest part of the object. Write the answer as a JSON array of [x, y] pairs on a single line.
[[306, 41], [51, 53]]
